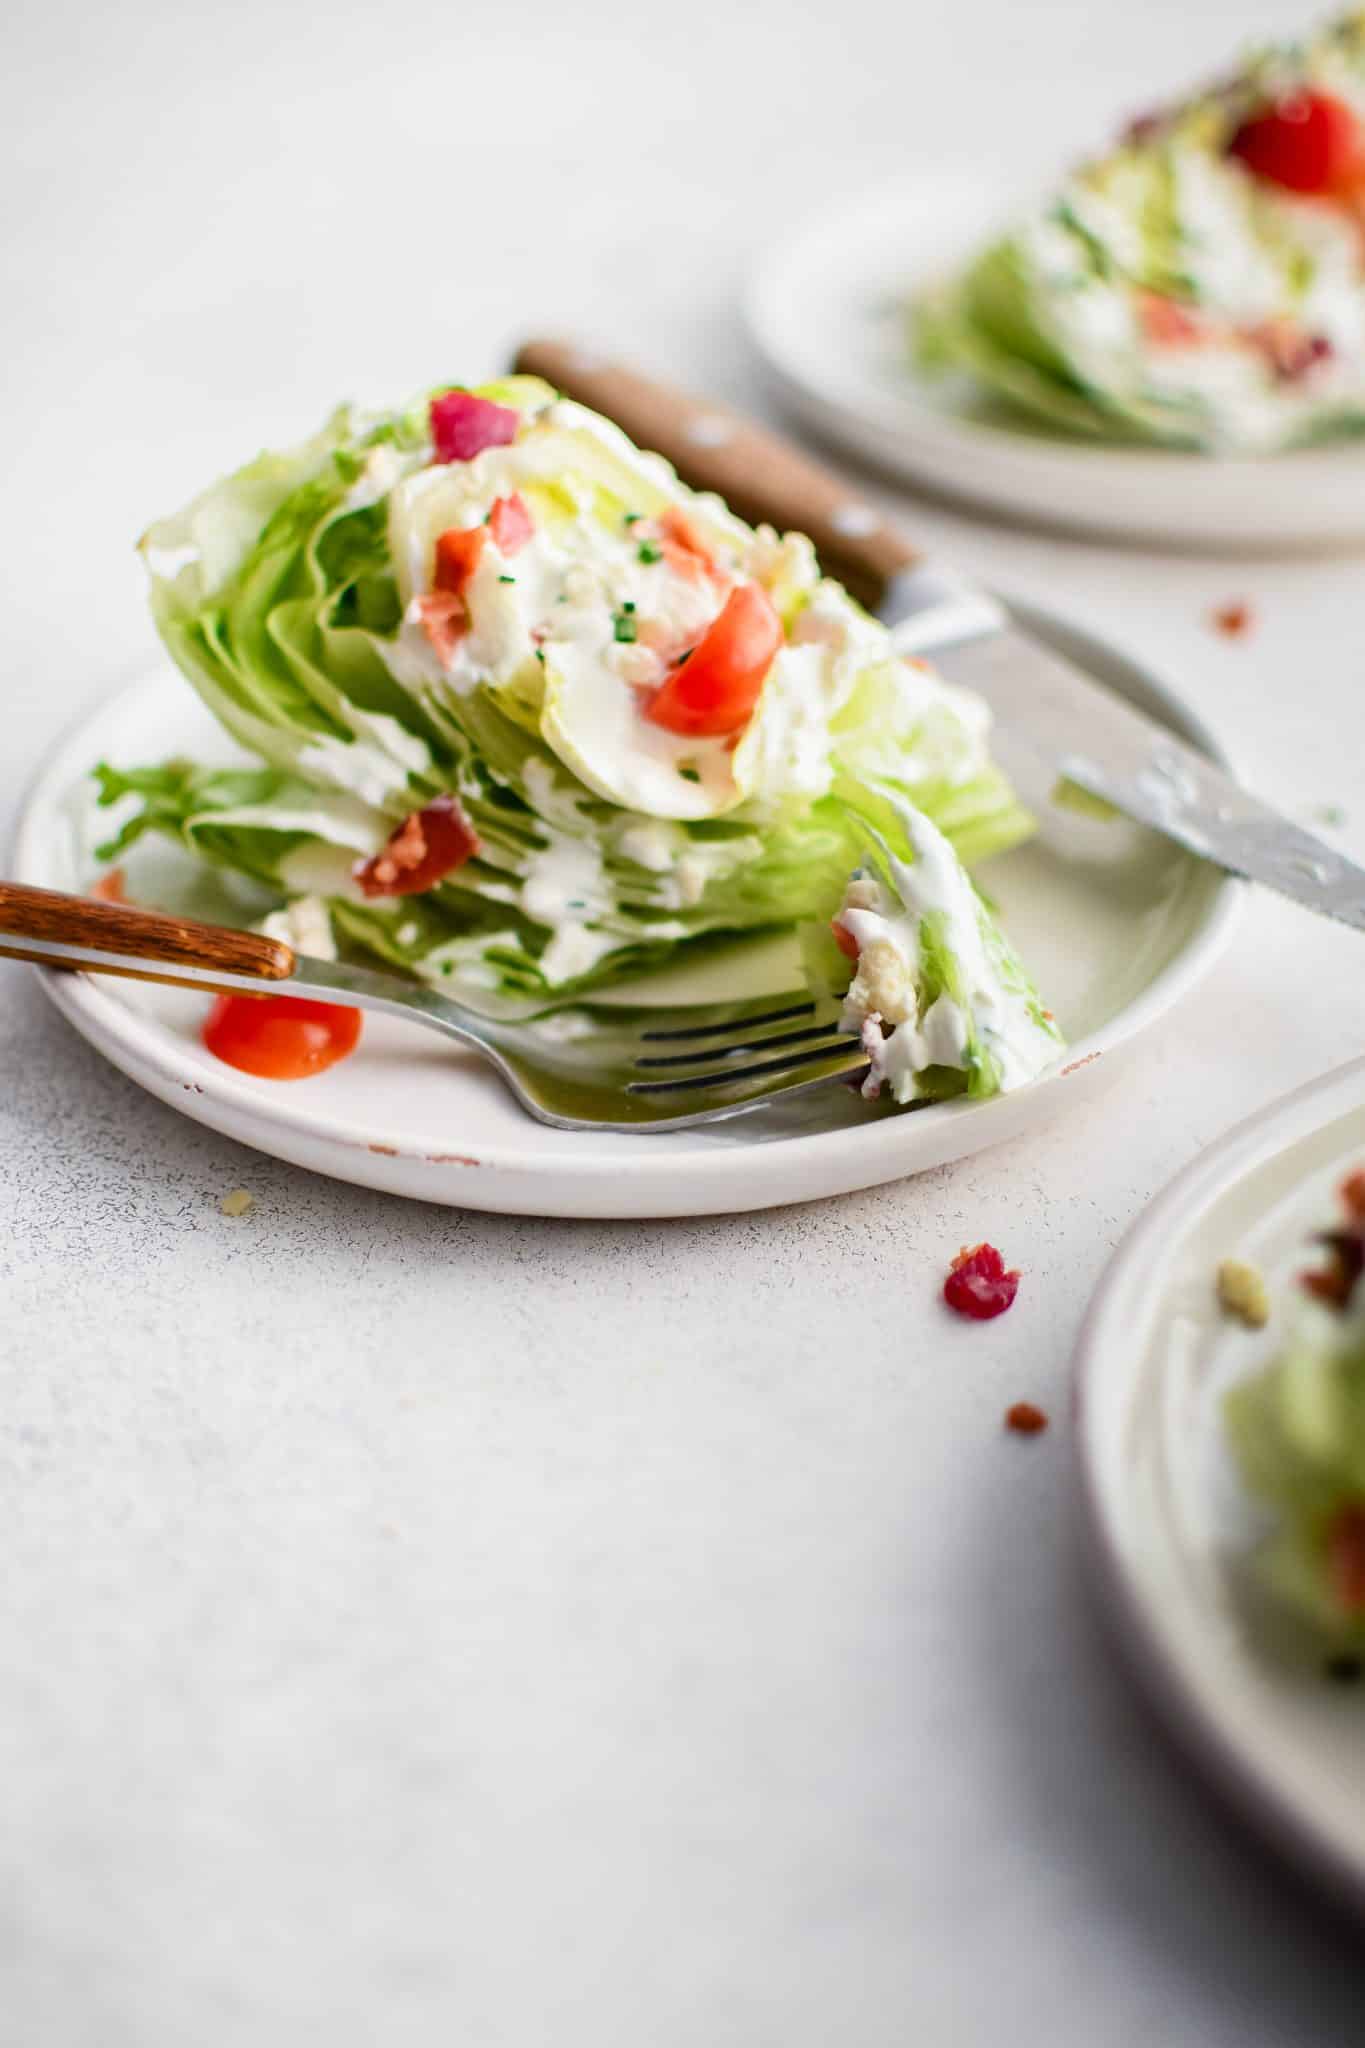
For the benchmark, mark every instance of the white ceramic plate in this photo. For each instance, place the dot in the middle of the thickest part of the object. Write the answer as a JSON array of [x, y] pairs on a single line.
[[1169, 1523], [826, 311], [1115, 923]]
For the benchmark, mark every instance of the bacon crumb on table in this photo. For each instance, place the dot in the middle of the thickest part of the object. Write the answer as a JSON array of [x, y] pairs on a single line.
[[110, 888], [1234, 621], [1025, 1419]]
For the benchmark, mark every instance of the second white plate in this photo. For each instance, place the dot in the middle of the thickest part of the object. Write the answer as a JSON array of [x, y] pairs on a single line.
[[827, 312], [1172, 1530]]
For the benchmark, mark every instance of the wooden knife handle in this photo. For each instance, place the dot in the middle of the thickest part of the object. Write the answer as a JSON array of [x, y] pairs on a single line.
[[761, 476], [137, 935]]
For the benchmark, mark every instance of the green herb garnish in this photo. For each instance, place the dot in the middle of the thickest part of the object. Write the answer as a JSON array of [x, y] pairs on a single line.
[[649, 551]]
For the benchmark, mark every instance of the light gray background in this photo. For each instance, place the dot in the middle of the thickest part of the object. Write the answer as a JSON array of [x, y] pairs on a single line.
[[423, 1627]]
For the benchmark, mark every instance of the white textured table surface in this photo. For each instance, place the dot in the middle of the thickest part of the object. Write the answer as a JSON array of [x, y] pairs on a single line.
[[423, 1627]]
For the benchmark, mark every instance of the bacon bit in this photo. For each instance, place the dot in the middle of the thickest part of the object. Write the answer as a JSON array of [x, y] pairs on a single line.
[[684, 546], [427, 846], [1345, 1546], [1025, 1419], [110, 887], [978, 1285], [1352, 1194], [445, 621], [844, 940], [463, 425], [1233, 620], [1168, 324], [1143, 128], [1289, 352], [510, 523], [1335, 1283], [459, 550]]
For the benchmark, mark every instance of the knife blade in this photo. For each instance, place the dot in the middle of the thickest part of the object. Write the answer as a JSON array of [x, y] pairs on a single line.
[[1081, 729]]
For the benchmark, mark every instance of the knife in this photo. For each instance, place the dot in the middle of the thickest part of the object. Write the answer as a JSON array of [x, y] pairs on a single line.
[[1083, 731]]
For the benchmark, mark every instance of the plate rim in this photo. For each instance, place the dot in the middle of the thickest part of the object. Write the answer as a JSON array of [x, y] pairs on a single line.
[[1237, 1767], [943, 433], [97, 1013]]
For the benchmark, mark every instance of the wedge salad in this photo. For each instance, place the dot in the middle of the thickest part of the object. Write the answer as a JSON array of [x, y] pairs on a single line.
[[523, 716], [1203, 285], [1297, 1429]]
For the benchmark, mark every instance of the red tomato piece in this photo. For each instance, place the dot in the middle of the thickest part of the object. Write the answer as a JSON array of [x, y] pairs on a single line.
[[714, 689], [458, 553], [280, 1038], [427, 846], [1346, 1557], [1310, 142], [463, 425], [978, 1285], [510, 524], [844, 940]]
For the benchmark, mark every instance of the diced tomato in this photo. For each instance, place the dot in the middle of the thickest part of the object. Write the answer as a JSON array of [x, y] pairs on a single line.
[[1310, 142], [110, 887], [458, 552], [463, 425], [714, 689], [978, 1285], [510, 524], [684, 548], [445, 621], [280, 1038], [1346, 1557], [1166, 323], [844, 939], [427, 846]]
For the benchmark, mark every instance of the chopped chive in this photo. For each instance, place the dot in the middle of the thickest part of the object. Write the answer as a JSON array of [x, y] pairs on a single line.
[[631, 517], [689, 775], [507, 579], [649, 551], [624, 625], [629, 605], [540, 656]]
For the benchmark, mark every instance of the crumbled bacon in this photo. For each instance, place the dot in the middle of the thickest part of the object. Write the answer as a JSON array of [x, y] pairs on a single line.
[[1290, 352], [1166, 323], [463, 425], [684, 547], [445, 621], [510, 523], [1345, 1547], [427, 846], [1025, 1419], [978, 1284], [110, 887], [844, 939], [1234, 620], [1336, 1280]]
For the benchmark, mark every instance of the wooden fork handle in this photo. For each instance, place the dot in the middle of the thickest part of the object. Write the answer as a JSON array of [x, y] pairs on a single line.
[[147, 939], [761, 476]]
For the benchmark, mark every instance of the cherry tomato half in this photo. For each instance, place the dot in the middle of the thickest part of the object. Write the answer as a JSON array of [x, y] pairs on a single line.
[[280, 1038], [714, 689], [1310, 142]]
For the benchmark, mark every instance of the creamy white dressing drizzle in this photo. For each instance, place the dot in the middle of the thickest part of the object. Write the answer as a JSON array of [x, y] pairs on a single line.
[[885, 917]]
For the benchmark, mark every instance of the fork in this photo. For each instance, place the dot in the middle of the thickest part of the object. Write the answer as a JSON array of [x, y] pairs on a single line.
[[585, 1066]]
